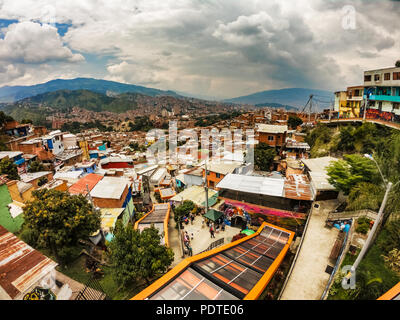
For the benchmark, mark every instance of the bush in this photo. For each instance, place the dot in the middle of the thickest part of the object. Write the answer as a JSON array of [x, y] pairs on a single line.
[[69, 254], [363, 225], [28, 236]]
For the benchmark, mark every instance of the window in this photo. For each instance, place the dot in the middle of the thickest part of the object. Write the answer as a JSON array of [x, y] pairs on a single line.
[[367, 78], [387, 76], [270, 138], [218, 175], [377, 77], [396, 106], [396, 75]]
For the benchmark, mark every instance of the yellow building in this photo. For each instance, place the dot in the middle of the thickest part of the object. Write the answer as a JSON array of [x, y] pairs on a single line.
[[341, 102], [83, 144], [354, 101]]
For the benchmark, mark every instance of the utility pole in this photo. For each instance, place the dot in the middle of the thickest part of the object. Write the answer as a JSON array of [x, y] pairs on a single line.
[[370, 236]]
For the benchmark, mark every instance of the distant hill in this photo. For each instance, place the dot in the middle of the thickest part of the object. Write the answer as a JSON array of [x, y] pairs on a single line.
[[15, 93], [296, 97], [276, 106]]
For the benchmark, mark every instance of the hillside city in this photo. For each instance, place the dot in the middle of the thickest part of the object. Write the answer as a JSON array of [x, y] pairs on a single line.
[[171, 198]]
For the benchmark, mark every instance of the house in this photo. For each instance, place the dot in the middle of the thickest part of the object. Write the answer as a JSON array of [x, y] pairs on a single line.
[[37, 179], [16, 157], [283, 194], [53, 142], [22, 268], [316, 171], [273, 135], [86, 166], [84, 184], [111, 192], [116, 163], [20, 191], [193, 177], [70, 156], [216, 171], [383, 88], [16, 130], [354, 99], [341, 103]]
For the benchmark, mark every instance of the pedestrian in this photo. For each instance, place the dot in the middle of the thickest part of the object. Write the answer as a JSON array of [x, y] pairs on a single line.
[[192, 236], [212, 231], [191, 218], [223, 226], [190, 250]]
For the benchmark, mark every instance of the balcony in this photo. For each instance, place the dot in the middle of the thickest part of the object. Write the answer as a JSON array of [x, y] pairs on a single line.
[[384, 98]]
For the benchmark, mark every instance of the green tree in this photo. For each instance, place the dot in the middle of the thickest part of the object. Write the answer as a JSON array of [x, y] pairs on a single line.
[[36, 166], [397, 64], [183, 210], [4, 119], [347, 139], [137, 255], [9, 168], [57, 220], [365, 195], [294, 122], [264, 156], [346, 174]]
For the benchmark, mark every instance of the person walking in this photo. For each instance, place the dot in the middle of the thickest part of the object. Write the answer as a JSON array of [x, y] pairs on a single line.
[[212, 231]]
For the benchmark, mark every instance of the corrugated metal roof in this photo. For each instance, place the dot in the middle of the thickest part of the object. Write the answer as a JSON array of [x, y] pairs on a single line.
[[21, 266], [253, 184], [298, 187], [196, 194], [110, 188], [318, 164], [91, 180], [271, 128]]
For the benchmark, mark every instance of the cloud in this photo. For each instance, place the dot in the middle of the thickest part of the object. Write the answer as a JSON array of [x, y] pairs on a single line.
[[218, 48], [29, 42]]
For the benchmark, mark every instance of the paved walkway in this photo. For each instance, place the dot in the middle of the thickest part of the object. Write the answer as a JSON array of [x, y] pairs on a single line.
[[308, 278]]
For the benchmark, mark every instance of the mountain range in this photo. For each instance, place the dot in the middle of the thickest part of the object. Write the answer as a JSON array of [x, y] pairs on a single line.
[[295, 97], [15, 93], [289, 99]]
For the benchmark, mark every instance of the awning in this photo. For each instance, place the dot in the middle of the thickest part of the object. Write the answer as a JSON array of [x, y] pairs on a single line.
[[213, 215], [248, 232]]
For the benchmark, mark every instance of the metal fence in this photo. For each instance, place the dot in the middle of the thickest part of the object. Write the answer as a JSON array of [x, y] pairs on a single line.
[[215, 244]]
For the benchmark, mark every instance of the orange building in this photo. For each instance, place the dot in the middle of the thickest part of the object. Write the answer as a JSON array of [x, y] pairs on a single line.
[[216, 171], [273, 135]]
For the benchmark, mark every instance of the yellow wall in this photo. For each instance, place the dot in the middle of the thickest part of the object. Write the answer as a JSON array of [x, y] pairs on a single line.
[[16, 195]]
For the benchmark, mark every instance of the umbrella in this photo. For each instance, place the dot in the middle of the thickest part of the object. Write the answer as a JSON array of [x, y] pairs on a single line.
[[213, 215]]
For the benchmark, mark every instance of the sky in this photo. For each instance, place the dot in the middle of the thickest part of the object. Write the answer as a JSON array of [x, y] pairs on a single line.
[[208, 48]]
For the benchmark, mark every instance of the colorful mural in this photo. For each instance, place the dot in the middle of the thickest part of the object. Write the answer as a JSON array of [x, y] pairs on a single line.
[[255, 209]]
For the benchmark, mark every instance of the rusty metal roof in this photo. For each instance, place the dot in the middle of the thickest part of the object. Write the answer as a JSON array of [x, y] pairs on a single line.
[[21, 266], [297, 186], [80, 187]]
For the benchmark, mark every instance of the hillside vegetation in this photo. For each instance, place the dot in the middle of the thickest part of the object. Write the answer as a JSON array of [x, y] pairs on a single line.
[[358, 177]]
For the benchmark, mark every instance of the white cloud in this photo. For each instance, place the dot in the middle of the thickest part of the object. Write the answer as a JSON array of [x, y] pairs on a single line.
[[218, 48], [29, 42]]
